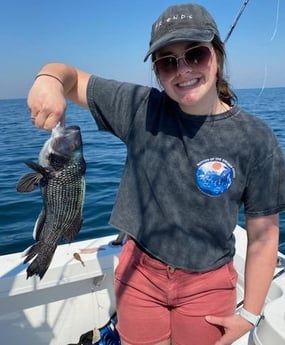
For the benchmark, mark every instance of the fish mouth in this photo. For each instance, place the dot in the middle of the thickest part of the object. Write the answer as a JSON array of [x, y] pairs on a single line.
[[59, 130]]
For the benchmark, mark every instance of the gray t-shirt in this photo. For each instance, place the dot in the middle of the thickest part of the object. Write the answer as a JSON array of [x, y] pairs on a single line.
[[187, 176]]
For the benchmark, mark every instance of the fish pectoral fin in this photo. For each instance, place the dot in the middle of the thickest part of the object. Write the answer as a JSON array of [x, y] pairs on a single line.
[[28, 182], [44, 171], [73, 230], [35, 166]]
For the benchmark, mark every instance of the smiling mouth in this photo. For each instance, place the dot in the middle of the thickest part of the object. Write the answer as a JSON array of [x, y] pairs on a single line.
[[190, 83]]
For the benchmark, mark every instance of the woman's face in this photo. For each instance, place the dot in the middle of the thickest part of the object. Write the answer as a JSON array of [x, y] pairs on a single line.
[[189, 80]]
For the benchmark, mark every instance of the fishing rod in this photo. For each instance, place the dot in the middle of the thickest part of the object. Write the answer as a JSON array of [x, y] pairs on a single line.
[[236, 20]]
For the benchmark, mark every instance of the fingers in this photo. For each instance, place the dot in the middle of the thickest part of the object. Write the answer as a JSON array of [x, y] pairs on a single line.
[[47, 104], [47, 122], [48, 116], [234, 327], [216, 320]]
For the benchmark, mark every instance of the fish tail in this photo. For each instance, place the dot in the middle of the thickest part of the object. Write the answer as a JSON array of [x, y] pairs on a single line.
[[43, 254]]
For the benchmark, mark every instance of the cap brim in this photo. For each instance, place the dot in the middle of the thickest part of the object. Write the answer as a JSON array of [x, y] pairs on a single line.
[[181, 35]]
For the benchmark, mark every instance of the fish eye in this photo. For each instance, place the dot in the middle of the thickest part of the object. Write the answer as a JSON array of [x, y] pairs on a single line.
[[72, 147]]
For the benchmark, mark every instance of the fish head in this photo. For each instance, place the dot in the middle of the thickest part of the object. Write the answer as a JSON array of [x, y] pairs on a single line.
[[64, 142], [67, 142]]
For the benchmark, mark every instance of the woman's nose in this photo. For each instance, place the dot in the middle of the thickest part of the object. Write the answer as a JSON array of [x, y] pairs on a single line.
[[182, 65]]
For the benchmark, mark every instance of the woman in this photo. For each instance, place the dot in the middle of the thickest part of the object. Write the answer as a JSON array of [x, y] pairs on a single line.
[[193, 158]]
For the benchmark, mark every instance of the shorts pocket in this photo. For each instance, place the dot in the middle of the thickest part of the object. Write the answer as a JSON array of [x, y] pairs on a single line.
[[232, 274], [224, 277], [124, 257], [129, 257]]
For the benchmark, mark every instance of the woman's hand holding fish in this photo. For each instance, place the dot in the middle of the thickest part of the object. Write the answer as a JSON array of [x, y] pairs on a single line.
[[47, 102], [55, 83]]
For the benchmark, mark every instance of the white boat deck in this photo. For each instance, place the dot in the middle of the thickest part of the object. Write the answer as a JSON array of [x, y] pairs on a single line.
[[70, 300]]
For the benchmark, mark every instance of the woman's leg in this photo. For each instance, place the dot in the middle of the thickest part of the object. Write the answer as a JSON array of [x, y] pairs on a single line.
[[143, 314], [212, 293]]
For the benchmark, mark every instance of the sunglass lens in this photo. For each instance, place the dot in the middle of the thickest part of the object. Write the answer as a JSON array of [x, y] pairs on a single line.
[[167, 64], [194, 57], [198, 57]]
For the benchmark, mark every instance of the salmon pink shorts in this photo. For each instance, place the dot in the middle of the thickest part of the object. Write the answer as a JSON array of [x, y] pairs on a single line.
[[156, 302]]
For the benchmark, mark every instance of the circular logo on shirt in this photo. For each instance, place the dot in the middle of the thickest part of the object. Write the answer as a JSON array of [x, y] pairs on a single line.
[[214, 176]]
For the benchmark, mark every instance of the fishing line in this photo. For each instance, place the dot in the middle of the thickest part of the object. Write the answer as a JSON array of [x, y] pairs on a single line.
[[265, 74], [276, 21], [271, 39]]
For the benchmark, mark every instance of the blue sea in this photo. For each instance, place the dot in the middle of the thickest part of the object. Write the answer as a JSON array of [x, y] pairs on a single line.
[[105, 157]]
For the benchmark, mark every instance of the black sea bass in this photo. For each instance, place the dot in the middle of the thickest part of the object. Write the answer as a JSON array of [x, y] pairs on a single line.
[[60, 175]]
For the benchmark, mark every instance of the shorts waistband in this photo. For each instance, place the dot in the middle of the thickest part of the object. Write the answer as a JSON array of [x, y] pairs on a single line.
[[168, 267]]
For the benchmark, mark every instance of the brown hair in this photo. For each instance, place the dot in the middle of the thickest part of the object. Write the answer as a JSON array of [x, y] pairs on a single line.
[[225, 92]]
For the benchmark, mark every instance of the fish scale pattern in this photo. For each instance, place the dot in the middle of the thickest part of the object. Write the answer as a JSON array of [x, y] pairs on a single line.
[[61, 176]]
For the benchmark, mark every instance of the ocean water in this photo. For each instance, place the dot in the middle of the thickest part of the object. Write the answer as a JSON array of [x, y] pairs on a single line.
[[105, 157]]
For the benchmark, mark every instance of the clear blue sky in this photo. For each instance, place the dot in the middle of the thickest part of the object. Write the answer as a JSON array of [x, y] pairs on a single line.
[[110, 38]]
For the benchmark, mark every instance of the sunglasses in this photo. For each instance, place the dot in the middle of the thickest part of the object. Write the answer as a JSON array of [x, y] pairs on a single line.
[[194, 57]]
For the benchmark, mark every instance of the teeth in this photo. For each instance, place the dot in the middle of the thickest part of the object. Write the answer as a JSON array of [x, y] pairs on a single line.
[[188, 83]]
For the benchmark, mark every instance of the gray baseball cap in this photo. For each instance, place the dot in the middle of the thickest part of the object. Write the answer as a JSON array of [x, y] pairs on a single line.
[[188, 22]]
